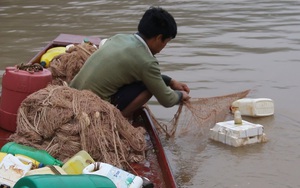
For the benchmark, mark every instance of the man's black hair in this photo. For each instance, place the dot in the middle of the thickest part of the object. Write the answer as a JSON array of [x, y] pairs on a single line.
[[157, 21]]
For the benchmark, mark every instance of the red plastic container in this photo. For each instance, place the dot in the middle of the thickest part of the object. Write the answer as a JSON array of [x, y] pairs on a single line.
[[4, 137], [16, 86]]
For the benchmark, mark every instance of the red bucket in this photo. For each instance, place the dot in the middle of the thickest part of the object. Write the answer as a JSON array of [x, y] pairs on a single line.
[[16, 86]]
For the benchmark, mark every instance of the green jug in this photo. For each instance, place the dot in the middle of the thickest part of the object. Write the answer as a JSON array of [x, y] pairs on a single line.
[[64, 181], [41, 156]]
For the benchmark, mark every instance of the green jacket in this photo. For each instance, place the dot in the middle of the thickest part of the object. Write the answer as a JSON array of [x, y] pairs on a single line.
[[124, 59]]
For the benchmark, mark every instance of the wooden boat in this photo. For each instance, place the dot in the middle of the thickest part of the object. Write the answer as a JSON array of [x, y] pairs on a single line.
[[158, 171]]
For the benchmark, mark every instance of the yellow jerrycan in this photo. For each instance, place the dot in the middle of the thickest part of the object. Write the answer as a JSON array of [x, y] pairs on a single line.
[[77, 163], [50, 54]]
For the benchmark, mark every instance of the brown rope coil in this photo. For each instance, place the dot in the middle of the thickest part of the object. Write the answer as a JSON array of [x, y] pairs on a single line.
[[65, 66], [63, 121]]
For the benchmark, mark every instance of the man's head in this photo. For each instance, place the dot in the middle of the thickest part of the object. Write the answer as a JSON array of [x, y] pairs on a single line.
[[158, 27], [157, 21]]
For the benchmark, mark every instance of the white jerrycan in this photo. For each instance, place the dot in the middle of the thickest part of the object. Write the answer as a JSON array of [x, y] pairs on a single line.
[[12, 168], [121, 178]]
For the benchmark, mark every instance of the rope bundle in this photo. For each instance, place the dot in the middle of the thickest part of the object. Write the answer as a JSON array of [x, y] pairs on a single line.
[[65, 66], [63, 121]]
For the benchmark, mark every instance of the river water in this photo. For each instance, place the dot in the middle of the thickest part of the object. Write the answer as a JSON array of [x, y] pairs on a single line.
[[222, 46]]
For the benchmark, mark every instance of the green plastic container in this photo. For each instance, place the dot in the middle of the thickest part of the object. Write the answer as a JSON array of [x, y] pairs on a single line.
[[64, 181], [41, 156]]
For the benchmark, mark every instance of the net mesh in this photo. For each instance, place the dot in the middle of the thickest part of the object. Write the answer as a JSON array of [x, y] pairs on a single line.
[[198, 115]]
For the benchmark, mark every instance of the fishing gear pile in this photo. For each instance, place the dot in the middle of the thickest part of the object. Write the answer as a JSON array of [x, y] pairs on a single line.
[[63, 121], [65, 66]]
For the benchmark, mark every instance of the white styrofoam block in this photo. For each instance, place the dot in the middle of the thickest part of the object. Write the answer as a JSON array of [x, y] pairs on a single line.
[[246, 129], [237, 135]]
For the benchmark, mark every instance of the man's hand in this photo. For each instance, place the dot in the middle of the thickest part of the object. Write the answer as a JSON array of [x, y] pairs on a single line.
[[185, 96], [179, 86], [185, 90]]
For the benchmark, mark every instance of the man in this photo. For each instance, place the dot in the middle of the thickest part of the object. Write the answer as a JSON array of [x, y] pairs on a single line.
[[125, 71]]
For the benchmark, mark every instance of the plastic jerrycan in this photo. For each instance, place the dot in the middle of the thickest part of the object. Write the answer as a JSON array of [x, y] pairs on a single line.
[[12, 168], [16, 86], [50, 54], [77, 163], [254, 107], [121, 178], [64, 181], [49, 169], [40, 155]]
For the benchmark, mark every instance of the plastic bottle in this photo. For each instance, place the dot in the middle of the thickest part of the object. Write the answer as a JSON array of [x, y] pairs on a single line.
[[77, 163], [87, 41], [102, 42], [121, 178], [254, 106], [35, 163], [40, 155], [64, 181], [237, 117], [50, 54]]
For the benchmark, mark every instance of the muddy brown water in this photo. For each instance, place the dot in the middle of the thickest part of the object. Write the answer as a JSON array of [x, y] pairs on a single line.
[[222, 46]]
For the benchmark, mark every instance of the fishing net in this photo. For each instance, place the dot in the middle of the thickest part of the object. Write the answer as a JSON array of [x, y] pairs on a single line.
[[186, 135], [63, 121], [65, 66], [196, 116]]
